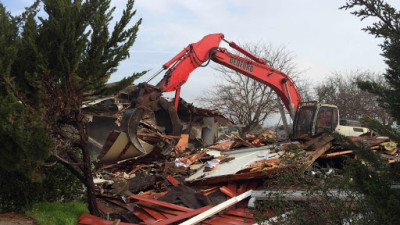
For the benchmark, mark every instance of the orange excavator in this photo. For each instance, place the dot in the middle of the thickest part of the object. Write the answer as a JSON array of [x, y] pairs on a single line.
[[308, 117]]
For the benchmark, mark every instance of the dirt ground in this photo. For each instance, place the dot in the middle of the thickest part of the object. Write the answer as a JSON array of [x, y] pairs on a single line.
[[16, 219]]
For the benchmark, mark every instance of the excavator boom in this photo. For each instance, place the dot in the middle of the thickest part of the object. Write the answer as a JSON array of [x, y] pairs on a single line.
[[196, 54]]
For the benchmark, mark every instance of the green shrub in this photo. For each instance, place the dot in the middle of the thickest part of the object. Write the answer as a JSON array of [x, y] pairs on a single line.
[[56, 213], [19, 192]]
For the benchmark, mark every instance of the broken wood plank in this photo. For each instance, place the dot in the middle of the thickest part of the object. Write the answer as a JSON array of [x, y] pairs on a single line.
[[318, 141], [173, 181], [161, 203], [318, 152], [232, 187], [244, 142], [182, 143], [227, 191], [154, 213], [164, 210], [183, 216], [136, 169], [242, 188], [209, 190], [223, 146], [329, 155], [143, 215], [390, 158], [370, 141]]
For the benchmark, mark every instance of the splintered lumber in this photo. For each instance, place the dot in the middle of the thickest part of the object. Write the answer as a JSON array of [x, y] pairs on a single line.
[[136, 169], [161, 203], [217, 209], [172, 180], [390, 158], [318, 152], [182, 143], [143, 215], [334, 154], [370, 141], [244, 142], [182, 216], [209, 190], [232, 187], [153, 213], [318, 141], [227, 191], [223, 146]]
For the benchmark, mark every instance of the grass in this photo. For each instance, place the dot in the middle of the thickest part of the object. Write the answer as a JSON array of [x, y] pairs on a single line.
[[56, 213]]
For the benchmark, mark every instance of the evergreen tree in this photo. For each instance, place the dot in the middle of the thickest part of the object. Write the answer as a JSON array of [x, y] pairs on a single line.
[[55, 64], [23, 135], [388, 28]]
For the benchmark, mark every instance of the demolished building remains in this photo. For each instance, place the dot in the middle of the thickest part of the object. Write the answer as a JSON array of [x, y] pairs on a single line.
[[194, 178]]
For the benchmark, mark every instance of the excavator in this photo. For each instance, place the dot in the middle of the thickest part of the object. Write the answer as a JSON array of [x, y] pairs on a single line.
[[308, 118]]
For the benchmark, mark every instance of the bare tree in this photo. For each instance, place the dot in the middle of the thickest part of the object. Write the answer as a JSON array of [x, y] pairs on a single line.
[[340, 89], [246, 101]]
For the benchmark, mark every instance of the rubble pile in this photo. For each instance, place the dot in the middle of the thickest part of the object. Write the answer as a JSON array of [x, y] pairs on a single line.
[[194, 178], [163, 189], [172, 188]]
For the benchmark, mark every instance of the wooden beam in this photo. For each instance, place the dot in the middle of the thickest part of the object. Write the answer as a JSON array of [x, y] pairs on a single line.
[[161, 203], [329, 155]]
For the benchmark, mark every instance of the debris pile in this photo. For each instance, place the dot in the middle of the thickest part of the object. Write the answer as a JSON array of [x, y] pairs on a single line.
[[163, 189], [386, 148], [193, 178]]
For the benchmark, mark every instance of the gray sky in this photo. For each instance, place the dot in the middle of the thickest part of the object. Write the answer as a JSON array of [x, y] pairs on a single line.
[[322, 38]]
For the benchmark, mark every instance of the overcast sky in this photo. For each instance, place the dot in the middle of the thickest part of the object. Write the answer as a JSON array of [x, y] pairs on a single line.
[[322, 38]]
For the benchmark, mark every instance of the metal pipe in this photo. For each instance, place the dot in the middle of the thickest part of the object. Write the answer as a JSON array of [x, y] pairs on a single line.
[[291, 107], [152, 77]]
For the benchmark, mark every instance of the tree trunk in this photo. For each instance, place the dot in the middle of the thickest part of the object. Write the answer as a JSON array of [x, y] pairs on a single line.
[[87, 171]]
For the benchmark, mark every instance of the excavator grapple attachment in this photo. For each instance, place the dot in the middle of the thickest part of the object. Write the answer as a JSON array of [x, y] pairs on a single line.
[[130, 124], [159, 114]]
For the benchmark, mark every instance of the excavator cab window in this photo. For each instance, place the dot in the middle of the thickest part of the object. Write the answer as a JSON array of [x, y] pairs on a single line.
[[304, 121], [327, 119]]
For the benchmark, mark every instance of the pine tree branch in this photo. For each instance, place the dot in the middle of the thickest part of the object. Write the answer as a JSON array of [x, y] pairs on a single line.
[[66, 161], [15, 92]]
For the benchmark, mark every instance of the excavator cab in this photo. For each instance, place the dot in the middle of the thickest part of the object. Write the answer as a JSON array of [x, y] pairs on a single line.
[[313, 117]]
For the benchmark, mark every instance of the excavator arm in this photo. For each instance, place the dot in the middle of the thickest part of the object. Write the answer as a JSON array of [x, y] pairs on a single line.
[[285, 87]]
